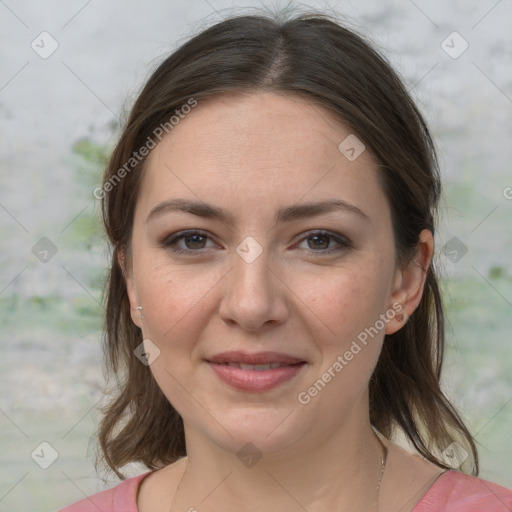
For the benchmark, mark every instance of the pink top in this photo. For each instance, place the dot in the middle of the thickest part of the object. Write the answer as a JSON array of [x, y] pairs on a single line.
[[453, 491]]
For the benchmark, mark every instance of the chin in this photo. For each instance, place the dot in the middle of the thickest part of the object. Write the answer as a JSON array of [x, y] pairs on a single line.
[[263, 431]]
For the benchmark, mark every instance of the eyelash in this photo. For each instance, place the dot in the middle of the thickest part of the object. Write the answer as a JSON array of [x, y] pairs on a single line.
[[342, 242]]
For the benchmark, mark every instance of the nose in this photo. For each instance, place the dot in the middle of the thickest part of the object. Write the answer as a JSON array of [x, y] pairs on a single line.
[[254, 295]]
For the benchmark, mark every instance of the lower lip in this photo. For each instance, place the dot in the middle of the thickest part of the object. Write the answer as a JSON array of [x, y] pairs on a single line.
[[252, 380]]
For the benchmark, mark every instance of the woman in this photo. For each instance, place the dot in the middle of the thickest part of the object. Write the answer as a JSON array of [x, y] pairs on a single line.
[[273, 312]]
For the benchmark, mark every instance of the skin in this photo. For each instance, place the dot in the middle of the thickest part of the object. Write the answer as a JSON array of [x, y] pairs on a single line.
[[251, 154]]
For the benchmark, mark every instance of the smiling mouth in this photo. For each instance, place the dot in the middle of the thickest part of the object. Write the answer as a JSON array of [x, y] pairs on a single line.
[[255, 373]]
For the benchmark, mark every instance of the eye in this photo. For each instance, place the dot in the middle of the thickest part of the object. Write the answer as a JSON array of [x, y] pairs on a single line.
[[321, 241], [193, 241]]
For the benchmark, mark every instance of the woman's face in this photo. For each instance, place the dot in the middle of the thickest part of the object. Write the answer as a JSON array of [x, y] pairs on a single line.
[[269, 272]]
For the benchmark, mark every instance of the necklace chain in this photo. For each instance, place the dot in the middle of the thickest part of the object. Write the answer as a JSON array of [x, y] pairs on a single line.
[[382, 468], [379, 481], [178, 486]]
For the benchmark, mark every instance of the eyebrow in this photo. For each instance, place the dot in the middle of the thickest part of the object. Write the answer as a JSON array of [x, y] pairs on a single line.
[[286, 214]]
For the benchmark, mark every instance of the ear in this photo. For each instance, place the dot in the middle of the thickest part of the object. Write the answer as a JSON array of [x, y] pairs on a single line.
[[130, 287], [410, 282]]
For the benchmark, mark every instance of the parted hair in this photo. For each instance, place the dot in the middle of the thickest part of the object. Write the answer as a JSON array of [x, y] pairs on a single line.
[[316, 57]]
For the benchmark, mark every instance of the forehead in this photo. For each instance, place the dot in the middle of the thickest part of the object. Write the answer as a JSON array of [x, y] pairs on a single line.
[[271, 126], [259, 146]]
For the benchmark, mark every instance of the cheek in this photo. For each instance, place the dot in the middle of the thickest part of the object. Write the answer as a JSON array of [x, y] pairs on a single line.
[[334, 305], [176, 312], [174, 299], [344, 303], [349, 340]]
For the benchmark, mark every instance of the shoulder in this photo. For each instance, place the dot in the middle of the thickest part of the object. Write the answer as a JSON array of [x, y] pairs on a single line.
[[121, 498], [454, 491]]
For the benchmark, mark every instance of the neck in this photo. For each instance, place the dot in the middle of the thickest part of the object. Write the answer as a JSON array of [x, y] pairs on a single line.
[[340, 472]]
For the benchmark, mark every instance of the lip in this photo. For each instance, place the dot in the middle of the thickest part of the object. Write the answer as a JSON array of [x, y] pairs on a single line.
[[255, 380], [255, 358]]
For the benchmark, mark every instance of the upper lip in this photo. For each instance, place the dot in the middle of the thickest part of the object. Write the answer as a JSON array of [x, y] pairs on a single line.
[[255, 358]]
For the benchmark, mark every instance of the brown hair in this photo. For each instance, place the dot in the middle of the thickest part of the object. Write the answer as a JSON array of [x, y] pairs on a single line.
[[314, 56]]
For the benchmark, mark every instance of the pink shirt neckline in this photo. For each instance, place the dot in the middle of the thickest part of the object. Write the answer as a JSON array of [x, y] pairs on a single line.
[[451, 491], [137, 481]]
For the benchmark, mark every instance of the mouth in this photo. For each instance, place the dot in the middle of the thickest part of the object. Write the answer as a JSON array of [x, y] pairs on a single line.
[[257, 367], [255, 372], [255, 359]]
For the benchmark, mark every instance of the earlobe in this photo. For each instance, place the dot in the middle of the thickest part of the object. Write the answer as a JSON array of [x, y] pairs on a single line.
[[135, 309], [397, 312], [130, 289], [410, 282]]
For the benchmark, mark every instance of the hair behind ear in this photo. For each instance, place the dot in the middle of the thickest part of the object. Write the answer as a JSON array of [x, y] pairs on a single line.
[[405, 387]]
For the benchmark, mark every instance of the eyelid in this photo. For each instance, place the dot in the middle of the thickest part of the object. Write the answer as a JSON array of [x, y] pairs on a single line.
[[342, 241], [180, 235]]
